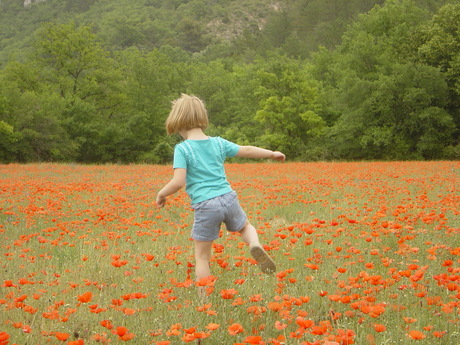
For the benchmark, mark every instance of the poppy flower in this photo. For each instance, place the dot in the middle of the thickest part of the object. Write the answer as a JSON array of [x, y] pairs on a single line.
[[86, 297], [228, 293], [439, 334], [416, 335], [62, 336], [253, 339], [107, 324], [76, 342], [304, 323], [212, 326], [129, 311], [279, 325], [121, 331], [127, 336], [379, 328], [235, 328], [8, 283], [148, 257], [4, 338]]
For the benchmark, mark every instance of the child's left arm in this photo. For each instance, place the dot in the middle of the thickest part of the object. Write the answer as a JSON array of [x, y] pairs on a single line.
[[176, 183], [258, 152]]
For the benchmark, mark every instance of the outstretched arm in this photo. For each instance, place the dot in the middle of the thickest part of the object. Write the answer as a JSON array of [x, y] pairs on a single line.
[[258, 152], [176, 183]]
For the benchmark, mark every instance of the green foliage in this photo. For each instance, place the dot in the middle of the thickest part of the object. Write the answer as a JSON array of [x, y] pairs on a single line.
[[439, 46], [8, 140], [389, 108], [287, 106], [92, 81]]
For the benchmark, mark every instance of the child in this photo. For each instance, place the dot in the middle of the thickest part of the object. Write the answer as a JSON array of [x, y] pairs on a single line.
[[199, 165]]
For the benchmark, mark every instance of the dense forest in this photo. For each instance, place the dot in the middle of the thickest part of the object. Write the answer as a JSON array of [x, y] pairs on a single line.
[[91, 81]]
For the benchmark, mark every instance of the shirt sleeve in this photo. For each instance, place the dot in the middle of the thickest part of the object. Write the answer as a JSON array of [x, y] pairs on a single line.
[[180, 160], [231, 149]]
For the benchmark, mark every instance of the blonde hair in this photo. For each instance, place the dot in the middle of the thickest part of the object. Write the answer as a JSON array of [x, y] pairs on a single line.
[[187, 112]]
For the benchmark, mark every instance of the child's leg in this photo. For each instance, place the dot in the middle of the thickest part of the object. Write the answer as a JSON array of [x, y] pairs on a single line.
[[249, 235], [202, 258]]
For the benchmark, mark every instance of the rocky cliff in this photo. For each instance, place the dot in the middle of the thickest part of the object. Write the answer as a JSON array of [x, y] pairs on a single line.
[[29, 2]]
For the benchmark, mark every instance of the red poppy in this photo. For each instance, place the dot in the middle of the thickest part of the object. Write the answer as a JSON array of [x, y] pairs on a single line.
[[416, 335], [379, 328], [86, 297], [235, 328], [253, 339], [212, 326], [4, 338], [228, 293], [76, 342], [62, 336]]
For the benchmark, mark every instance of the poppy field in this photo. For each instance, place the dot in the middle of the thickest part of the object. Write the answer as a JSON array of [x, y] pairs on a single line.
[[366, 253]]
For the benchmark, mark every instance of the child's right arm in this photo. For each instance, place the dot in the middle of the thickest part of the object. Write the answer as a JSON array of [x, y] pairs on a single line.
[[176, 183], [258, 152]]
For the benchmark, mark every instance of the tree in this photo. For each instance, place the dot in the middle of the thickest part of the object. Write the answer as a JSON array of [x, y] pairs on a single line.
[[76, 67], [214, 83], [287, 106], [438, 45], [8, 139], [153, 80], [191, 36], [390, 108], [35, 116]]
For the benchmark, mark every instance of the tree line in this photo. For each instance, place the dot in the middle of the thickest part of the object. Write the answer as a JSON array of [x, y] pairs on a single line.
[[388, 89]]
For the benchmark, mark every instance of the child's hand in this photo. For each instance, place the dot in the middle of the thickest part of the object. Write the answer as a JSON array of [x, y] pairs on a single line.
[[161, 200], [278, 156]]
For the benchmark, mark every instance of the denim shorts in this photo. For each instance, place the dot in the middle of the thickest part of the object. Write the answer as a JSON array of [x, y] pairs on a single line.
[[211, 213]]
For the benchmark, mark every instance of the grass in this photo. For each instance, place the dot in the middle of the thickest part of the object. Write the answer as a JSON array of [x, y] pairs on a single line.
[[367, 253]]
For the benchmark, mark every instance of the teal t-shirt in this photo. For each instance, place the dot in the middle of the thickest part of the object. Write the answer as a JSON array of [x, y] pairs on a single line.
[[204, 161]]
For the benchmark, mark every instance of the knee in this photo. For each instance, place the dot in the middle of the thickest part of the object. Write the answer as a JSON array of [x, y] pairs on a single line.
[[202, 256], [203, 253], [245, 226]]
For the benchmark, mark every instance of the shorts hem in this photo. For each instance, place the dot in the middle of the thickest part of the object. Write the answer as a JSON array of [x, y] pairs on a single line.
[[239, 228], [202, 239]]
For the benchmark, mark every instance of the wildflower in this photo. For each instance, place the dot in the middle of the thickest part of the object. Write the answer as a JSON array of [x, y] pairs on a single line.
[[127, 336], [85, 298], [107, 324], [228, 293], [4, 338], [213, 326], [253, 339], [279, 325], [416, 335], [235, 328], [439, 334], [62, 336], [8, 283], [76, 342], [304, 323], [121, 331], [129, 311], [379, 328]]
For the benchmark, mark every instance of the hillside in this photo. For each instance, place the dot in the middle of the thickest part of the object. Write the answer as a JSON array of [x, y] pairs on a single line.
[[298, 26]]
